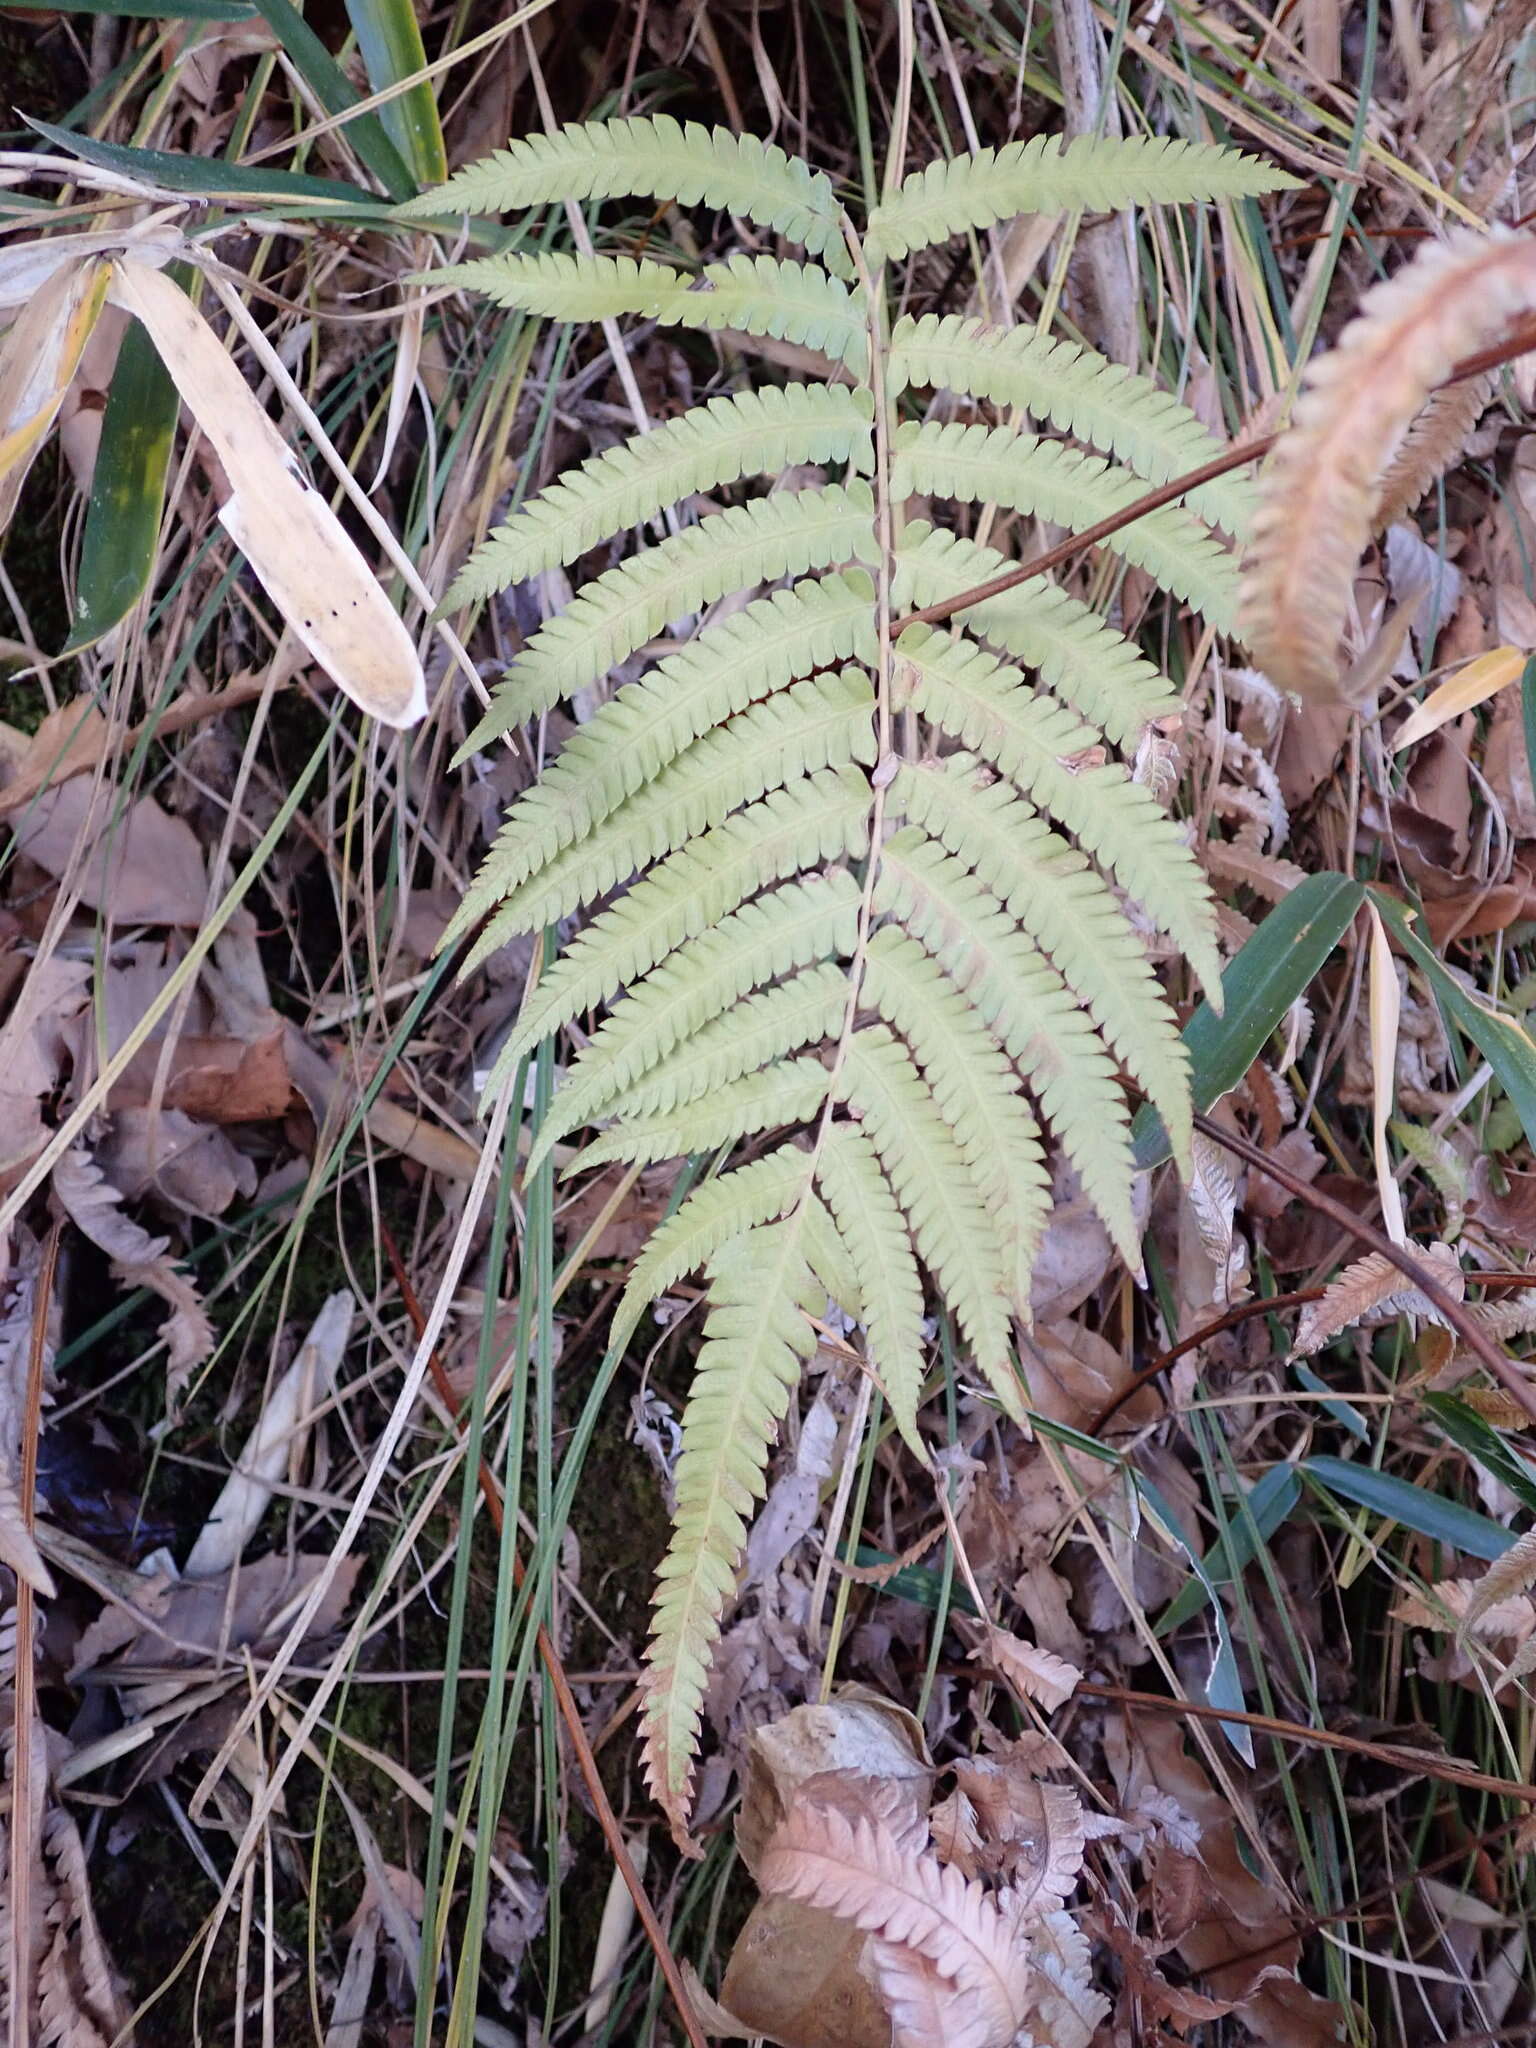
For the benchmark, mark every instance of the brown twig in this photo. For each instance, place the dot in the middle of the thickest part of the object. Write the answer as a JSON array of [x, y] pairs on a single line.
[[1520, 342], [1165, 494], [1453, 1312], [1399, 1755], [490, 1493], [1242, 1313]]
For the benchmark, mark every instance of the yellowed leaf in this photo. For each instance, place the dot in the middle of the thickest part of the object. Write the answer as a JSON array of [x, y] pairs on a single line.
[[1475, 684], [298, 548], [38, 359]]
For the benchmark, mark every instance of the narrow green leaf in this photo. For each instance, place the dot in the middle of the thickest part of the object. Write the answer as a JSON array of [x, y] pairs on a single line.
[[1270, 972], [1484, 1444], [1344, 1413], [1223, 1685], [1507, 1046], [161, 10], [389, 38], [1528, 715], [1430, 1514], [122, 521], [919, 1583], [1255, 1519], [336, 95], [208, 177]]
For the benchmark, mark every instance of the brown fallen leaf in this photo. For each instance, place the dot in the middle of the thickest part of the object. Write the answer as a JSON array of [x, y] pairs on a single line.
[[226, 1081], [1502, 1202], [34, 1049], [329, 1092], [191, 1622], [74, 738], [191, 1166], [140, 867], [1233, 1930]]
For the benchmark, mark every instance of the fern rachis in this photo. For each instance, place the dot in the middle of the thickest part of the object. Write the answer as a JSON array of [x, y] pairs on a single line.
[[915, 962]]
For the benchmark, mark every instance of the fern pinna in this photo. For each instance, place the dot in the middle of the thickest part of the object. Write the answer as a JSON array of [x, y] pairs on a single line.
[[881, 891]]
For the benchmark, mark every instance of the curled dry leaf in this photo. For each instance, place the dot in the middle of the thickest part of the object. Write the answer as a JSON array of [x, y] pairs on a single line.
[[298, 548], [797, 1976], [1374, 1291], [859, 1870], [1459, 1605], [1030, 1832], [1333, 473], [1034, 1673], [138, 1260], [858, 1734], [193, 1621]]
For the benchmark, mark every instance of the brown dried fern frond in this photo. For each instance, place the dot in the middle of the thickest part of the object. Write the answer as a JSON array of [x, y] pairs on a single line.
[[1432, 445], [1350, 453]]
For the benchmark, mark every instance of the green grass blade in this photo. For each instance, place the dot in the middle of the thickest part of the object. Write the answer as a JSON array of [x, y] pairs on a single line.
[[122, 521], [207, 177], [1255, 1519], [161, 10], [1224, 1685], [1507, 1046], [1267, 976], [1431, 1514], [334, 92], [389, 38]]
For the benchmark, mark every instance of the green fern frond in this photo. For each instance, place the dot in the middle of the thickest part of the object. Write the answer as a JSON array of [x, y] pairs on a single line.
[[829, 1257], [752, 294], [1067, 909], [955, 1236], [648, 724], [915, 1010], [1097, 174], [800, 1011], [825, 818], [1079, 655], [754, 433], [756, 1340], [989, 708], [821, 723], [789, 1092], [556, 285], [782, 535], [999, 466], [728, 1206], [1078, 390], [874, 1231], [651, 157], [772, 936], [976, 1090], [790, 301], [1028, 1007]]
